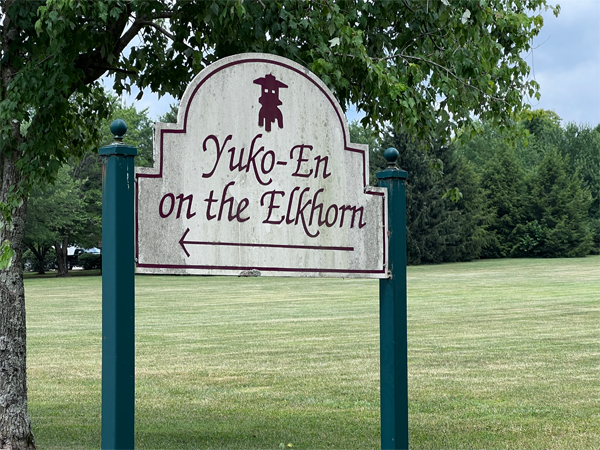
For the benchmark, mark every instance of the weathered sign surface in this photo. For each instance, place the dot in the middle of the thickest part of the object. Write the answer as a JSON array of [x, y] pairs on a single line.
[[259, 173]]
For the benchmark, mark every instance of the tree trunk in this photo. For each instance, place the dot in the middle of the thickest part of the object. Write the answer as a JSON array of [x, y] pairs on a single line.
[[15, 425], [40, 255], [61, 257], [40, 263], [41, 270]]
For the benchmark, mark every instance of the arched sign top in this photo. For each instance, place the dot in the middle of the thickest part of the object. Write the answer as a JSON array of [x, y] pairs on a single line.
[[259, 173]]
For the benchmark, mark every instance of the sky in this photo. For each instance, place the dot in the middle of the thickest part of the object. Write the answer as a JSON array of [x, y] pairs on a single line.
[[565, 61]]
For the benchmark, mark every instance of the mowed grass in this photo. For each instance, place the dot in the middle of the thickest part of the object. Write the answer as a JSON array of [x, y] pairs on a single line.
[[502, 354]]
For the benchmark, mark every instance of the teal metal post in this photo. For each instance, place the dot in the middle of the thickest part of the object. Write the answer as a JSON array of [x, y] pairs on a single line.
[[392, 313], [118, 291]]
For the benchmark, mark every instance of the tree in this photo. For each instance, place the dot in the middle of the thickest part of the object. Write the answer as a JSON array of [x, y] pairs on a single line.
[[369, 136], [171, 115], [556, 222], [139, 132], [439, 229], [545, 130], [56, 215], [89, 169], [33, 262], [38, 239], [503, 180], [581, 147], [425, 68], [70, 210], [510, 171]]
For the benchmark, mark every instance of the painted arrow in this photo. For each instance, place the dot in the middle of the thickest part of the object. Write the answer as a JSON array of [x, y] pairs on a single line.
[[183, 243]]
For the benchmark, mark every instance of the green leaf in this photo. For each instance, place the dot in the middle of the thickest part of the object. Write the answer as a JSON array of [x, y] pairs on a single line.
[[453, 194], [6, 255], [465, 17]]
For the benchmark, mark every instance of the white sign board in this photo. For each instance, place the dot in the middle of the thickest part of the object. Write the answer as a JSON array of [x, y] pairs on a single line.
[[259, 174]]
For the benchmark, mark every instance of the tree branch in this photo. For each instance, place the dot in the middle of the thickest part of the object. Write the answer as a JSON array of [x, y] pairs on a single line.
[[94, 67], [159, 28], [44, 60], [126, 38], [164, 15], [445, 69], [407, 5], [114, 69], [91, 63]]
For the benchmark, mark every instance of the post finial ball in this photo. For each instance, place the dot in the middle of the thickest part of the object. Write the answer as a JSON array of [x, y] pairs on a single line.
[[118, 128], [391, 155]]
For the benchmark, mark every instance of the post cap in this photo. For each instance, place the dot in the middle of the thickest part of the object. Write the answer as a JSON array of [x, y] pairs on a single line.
[[391, 171], [391, 155], [118, 128]]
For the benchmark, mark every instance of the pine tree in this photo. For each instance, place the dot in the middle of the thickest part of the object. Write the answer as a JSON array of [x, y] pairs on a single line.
[[503, 180], [581, 147], [556, 221], [438, 229], [472, 210]]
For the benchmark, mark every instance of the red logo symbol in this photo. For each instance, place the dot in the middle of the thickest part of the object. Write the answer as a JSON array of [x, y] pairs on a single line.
[[269, 99]]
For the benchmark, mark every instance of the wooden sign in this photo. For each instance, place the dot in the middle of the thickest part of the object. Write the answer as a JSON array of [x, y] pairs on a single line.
[[259, 174]]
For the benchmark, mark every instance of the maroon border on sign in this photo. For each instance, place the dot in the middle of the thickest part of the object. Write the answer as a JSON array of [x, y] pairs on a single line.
[[271, 269], [333, 103]]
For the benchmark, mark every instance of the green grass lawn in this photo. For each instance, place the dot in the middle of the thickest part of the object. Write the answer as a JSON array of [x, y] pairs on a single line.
[[503, 354]]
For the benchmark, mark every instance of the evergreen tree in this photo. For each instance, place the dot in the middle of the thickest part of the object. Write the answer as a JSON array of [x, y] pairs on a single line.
[[545, 135], [581, 147], [556, 221], [171, 115], [473, 209], [438, 229], [503, 180], [509, 167]]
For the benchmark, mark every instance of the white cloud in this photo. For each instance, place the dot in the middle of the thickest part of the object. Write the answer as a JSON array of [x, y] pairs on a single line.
[[566, 62]]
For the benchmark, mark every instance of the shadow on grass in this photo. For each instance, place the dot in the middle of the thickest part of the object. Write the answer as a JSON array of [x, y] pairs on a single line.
[[72, 273]]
